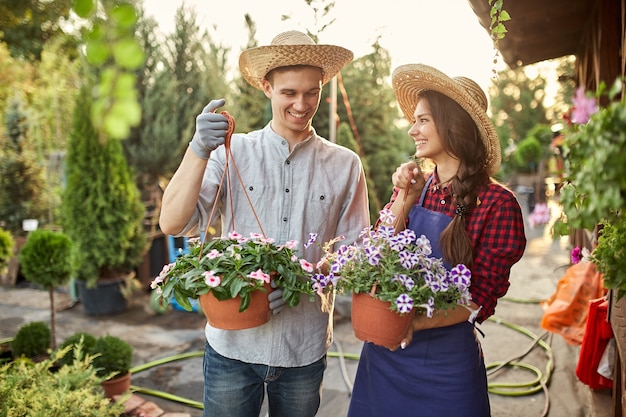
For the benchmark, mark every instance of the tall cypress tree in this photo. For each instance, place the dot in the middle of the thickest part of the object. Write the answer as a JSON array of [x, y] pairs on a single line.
[[101, 209]]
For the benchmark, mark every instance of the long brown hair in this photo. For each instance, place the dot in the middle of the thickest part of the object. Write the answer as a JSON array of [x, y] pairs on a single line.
[[461, 139]]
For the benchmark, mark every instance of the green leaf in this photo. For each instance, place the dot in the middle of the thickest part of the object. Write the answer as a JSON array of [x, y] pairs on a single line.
[[116, 127], [83, 8], [128, 54], [97, 52], [124, 16], [504, 16]]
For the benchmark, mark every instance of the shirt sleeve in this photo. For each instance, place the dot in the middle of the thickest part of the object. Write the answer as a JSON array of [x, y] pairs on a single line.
[[500, 244]]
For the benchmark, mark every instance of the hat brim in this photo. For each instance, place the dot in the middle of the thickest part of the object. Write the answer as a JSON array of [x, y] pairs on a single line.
[[255, 63], [410, 80]]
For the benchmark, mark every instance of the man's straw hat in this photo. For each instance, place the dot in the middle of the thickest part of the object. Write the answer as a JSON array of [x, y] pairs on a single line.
[[412, 79], [292, 48]]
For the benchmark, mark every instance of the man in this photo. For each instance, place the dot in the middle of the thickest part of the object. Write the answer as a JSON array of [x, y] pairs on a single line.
[[297, 183]]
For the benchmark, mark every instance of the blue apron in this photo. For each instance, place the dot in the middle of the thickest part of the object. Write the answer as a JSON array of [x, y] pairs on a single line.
[[441, 373]]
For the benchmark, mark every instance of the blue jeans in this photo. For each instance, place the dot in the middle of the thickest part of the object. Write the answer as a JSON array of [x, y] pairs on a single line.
[[236, 389]]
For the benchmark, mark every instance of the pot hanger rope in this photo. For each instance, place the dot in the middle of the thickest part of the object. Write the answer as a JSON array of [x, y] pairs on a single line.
[[226, 175], [402, 217]]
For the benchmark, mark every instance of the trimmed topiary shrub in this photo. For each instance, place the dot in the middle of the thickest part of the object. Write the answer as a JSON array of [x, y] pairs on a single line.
[[45, 260], [116, 356], [31, 340]]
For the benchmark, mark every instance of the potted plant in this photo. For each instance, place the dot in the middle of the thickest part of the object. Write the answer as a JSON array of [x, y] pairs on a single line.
[[6, 250], [594, 191], [45, 260], [392, 275], [113, 359], [235, 270], [102, 214], [32, 341]]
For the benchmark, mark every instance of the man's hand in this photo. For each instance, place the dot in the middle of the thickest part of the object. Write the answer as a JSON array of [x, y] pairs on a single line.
[[277, 303], [211, 130]]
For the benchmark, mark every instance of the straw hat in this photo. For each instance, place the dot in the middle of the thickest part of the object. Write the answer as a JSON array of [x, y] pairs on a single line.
[[292, 48], [411, 79]]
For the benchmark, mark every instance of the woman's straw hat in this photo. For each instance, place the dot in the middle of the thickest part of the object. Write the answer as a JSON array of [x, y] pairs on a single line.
[[292, 48], [412, 79]]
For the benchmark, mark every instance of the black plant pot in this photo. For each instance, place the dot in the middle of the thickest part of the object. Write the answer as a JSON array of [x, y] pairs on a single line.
[[104, 299]]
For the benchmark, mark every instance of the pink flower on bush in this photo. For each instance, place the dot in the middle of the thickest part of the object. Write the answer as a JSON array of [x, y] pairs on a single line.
[[584, 107]]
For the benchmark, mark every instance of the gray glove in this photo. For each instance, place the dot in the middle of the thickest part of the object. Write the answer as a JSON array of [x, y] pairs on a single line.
[[277, 303], [211, 130]]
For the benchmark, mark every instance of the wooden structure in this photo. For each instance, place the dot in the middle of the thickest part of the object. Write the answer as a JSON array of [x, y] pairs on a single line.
[[594, 31]]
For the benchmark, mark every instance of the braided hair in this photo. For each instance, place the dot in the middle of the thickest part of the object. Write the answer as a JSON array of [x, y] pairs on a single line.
[[461, 139]]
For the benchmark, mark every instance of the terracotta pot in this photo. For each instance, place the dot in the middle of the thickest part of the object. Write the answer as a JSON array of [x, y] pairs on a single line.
[[225, 314], [373, 321], [116, 386]]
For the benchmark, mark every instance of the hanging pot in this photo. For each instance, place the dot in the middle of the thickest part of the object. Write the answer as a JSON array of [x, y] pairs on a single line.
[[373, 321], [224, 314]]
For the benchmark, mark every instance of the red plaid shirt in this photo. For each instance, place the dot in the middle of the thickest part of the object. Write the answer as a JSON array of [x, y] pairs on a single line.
[[496, 229]]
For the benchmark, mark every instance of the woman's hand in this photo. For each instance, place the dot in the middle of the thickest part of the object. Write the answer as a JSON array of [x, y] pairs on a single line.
[[408, 173]]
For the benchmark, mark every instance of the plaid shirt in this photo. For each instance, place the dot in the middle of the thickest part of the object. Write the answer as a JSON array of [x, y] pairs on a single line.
[[496, 229]]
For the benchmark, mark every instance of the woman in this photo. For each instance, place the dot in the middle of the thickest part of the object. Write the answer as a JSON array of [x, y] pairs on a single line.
[[439, 370]]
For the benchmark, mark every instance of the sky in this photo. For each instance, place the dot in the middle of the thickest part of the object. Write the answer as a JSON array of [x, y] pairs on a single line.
[[445, 34]]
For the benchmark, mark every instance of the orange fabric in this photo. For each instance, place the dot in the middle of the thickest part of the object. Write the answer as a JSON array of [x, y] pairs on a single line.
[[566, 311]]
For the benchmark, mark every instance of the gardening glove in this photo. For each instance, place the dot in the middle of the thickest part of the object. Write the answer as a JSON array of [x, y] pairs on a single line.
[[211, 130], [277, 303]]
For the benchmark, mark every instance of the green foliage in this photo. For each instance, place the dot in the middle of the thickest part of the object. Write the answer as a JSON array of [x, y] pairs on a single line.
[[21, 181], [26, 25], [79, 344], [102, 209], [45, 258], [115, 356], [251, 109], [610, 254], [528, 154], [498, 15], [177, 79], [595, 163], [6, 248], [111, 47], [517, 109], [375, 114], [230, 267], [33, 389], [32, 339]]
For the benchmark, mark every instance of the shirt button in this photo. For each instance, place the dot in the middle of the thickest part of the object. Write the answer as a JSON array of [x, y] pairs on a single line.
[[250, 188], [286, 190], [284, 219], [288, 162], [322, 197]]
